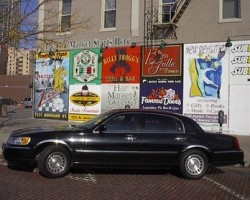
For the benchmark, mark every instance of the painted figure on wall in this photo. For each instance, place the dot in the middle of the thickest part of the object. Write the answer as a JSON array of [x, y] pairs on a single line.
[[121, 65], [59, 72], [205, 77], [121, 68]]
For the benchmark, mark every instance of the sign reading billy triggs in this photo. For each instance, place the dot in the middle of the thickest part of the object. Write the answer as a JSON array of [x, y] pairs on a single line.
[[98, 43]]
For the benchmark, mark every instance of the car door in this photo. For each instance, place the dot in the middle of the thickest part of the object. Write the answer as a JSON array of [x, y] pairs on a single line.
[[118, 144], [162, 138]]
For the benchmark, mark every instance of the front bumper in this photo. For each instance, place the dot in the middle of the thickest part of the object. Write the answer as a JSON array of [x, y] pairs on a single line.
[[18, 153]]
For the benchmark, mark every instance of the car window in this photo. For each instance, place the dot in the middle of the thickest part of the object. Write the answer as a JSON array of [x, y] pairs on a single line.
[[94, 121], [162, 123], [192, 126], [127, 122]]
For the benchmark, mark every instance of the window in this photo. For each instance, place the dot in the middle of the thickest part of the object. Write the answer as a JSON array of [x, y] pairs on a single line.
[[230, 10], [65, 15], [161, 123], [167, 10], [109, 14], [123, 123]]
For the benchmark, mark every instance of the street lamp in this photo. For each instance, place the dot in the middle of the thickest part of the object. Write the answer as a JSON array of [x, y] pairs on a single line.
[[229, 42]]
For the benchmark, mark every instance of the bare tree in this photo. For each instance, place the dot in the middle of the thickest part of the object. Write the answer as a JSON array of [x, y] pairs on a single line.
[[25, 21]]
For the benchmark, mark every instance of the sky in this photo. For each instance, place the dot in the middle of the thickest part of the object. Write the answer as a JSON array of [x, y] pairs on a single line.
[[27, 7]]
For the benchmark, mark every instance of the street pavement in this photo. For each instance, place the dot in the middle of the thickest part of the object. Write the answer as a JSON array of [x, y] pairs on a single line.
[[18, 118]]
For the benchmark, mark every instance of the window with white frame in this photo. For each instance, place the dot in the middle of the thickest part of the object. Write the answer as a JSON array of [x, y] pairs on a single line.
[[230, 10], [109, 14], [65, 22], [167, 10]]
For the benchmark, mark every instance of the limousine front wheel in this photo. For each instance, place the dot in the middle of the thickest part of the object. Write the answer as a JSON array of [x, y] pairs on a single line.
[[193, 164], [54, 162]]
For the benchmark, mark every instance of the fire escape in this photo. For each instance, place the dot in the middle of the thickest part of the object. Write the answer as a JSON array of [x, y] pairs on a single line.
[[161, 19]]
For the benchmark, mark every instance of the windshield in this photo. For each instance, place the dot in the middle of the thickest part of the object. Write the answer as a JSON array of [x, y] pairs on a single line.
[[94, 121]]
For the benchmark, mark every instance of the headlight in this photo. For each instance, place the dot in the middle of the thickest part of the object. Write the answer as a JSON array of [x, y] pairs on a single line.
[[19, 140]]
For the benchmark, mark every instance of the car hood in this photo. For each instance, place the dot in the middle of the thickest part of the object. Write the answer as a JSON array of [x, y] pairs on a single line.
[[37, 130]]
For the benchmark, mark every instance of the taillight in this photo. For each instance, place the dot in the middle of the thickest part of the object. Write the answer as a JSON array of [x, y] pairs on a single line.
[[236, 144]]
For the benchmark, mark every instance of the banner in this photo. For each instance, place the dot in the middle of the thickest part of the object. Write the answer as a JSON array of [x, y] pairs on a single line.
[[51, 85], [116, 96], [206, 83], [85, 66], [121, 65], [84, 100]]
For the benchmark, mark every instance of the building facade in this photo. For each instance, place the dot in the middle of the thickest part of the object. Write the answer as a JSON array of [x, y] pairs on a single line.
[[133, 20], [20, 61], [4, 58], [179, 55], [9, 16]]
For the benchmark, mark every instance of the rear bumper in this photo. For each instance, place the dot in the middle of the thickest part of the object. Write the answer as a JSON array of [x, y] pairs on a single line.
[[227, 158]]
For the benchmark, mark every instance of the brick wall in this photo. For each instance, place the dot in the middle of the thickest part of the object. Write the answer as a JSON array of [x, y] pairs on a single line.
[[15, 87]]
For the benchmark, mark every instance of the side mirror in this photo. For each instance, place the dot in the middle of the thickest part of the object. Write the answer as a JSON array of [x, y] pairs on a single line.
[[102, 128]]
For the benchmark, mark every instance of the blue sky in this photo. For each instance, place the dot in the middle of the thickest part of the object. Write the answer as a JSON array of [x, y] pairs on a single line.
[[28, 25]]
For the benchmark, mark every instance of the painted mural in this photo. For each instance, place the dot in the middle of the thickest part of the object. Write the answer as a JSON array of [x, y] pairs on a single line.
[[161, 86], [206, 83], [162, 96], [116, 96], [121, 65], [165, 63], [51, 85], [197, 80], [121, 77], [85, 66], [84, 101]]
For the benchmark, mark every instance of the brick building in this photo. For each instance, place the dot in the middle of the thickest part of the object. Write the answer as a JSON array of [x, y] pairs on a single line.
[[16, 87]]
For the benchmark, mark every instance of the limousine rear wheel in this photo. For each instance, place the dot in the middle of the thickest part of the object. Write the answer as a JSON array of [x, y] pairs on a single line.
[[54, 162], [193, 164]]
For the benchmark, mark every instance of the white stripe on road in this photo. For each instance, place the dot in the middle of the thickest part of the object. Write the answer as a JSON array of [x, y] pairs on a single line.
[[226, 189], [89, 178]]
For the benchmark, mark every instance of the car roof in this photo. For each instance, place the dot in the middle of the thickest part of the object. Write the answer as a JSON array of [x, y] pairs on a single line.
[[148, 111]]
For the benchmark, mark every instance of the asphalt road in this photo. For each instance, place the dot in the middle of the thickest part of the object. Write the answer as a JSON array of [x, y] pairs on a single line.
[[222, 183]]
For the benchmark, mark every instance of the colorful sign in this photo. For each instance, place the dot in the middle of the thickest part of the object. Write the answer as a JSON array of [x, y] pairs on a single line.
[[116, 96], [162, 96], [205, 83], [85, 66], [51, 84], [84, 100], [121, 65], [166, 62], [240, 62]]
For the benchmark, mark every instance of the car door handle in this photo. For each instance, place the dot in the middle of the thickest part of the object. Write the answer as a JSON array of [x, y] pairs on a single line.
[[130, 138], [180, 138]]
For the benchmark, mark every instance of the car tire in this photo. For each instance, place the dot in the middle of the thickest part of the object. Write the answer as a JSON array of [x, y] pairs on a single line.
[[193, 164], [54, 162]]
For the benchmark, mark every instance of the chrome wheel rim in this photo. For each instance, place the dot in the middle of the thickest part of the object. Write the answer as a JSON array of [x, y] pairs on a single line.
[[56, 163], [194, 165]]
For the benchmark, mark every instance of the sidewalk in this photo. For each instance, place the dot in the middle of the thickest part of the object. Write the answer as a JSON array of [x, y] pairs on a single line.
[[7, 125]]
